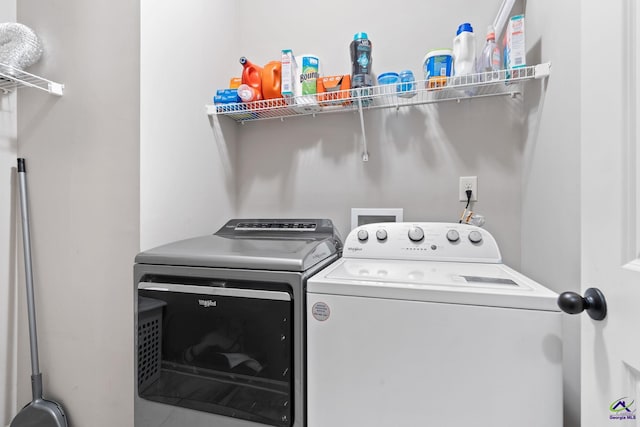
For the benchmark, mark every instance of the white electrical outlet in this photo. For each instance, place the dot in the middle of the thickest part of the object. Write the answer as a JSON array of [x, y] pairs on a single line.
[[468, 183]]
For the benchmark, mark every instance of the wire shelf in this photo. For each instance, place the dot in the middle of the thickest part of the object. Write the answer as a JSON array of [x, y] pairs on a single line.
[[497, 83], [12, 78]]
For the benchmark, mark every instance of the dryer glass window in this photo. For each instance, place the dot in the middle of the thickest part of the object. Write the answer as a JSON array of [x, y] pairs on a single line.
[[224, 350]]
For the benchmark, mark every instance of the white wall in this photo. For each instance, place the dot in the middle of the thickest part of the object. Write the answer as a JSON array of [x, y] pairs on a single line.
[[82, 154], [527, 164], [312, 167], [187, 184], [8, 148], [551, 172]]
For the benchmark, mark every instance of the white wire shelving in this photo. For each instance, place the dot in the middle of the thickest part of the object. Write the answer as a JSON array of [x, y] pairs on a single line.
[[457, 89], [12, 79]]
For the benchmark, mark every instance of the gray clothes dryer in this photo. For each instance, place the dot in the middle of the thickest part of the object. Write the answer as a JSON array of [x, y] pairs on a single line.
[[220, 324]]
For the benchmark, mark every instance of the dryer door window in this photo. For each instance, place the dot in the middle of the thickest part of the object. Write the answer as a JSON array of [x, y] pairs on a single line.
[[221, 350]]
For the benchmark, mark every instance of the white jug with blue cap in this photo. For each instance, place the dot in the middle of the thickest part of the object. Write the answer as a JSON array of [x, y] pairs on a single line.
[[464, 50]]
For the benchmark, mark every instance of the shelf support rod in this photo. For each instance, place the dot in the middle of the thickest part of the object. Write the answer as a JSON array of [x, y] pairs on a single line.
[[502, 16], [365, 152]]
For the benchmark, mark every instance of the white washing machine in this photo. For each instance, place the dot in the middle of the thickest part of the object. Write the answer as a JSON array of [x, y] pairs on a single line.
[[421, 324]]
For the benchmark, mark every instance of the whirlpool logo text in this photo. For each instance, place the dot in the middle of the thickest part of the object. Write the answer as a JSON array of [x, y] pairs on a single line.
[[206, 303]]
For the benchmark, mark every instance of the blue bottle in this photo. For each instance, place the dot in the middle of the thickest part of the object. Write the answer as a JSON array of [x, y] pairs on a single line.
[[407, 86], [361, 61]]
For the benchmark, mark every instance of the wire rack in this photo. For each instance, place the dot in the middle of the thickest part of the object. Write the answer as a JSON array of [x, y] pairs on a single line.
[[497, 83], [12, 78]]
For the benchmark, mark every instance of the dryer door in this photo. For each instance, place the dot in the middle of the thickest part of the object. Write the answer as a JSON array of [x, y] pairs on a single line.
[[222, 350]]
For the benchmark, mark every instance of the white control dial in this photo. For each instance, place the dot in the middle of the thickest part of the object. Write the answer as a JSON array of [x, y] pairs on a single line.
[[475, 236], [416, 234], [381, 234], [453, 236], [363, 235]]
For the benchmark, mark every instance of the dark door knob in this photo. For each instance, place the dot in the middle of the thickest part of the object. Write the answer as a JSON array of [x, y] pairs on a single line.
[[593, 302]]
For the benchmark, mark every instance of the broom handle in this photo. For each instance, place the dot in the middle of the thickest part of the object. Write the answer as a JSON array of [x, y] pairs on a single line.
[[36, 378]]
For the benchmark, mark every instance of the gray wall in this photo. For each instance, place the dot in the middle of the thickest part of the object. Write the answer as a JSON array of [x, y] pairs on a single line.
[[83, 158], [187, 184], [82, 154], [551, 172], [8, 148], [311, 166], [525, 154]]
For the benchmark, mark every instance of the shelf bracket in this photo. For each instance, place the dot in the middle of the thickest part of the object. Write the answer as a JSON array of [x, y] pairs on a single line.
[[56, 88], [365, 152], [13, 78], [542, 71]]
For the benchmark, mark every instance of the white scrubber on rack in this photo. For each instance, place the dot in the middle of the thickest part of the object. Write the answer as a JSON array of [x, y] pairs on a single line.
[[20, 47]]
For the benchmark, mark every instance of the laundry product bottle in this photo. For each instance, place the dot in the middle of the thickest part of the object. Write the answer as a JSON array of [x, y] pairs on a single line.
[[360, 49], [247, 93], [272, 80], [464, 50], [252, 76], [490, 57]]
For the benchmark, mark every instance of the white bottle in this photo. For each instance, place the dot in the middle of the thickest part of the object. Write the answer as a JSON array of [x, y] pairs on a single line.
[[464, 51], [247, 93], [490, 58]]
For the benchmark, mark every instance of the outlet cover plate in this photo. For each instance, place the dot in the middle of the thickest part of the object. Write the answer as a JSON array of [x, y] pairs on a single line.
[[468, 182]]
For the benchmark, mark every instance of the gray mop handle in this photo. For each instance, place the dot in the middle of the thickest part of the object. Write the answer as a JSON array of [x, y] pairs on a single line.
[[31, 304]]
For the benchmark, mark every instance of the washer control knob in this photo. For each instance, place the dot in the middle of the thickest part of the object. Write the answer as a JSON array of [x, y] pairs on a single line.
[[475, 237], [363, 235], [381, 234], [416, 234], [453, 236]]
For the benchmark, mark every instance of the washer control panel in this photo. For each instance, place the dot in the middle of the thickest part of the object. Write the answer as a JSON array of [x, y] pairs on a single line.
[[428, 241]]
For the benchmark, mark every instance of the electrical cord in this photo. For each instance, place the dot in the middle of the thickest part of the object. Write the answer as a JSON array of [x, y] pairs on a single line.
[[469, 192]]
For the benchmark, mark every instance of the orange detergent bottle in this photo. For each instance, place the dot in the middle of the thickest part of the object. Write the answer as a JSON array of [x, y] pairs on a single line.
[[271, 80], [252, 76]]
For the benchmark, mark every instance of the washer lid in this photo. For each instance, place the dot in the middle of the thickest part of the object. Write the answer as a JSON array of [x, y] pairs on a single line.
[[279, 245], [493, 285]]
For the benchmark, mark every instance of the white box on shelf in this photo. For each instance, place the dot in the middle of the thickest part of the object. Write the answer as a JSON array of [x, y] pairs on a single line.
[[516, 50], [288, 74]]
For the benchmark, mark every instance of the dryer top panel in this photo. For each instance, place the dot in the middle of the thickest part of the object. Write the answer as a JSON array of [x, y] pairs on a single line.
[[255, 244]]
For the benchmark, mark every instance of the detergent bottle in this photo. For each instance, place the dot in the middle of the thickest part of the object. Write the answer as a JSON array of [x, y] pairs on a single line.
[[464, 50], [271, 80], [252, 76]]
